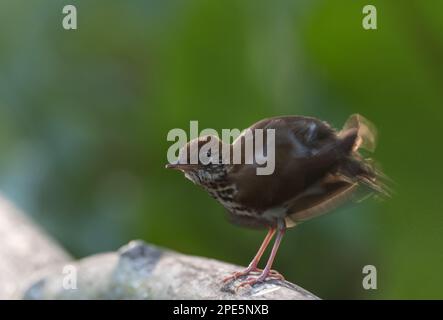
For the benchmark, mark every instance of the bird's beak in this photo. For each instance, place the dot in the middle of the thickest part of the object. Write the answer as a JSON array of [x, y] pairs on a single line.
[[180, 166]]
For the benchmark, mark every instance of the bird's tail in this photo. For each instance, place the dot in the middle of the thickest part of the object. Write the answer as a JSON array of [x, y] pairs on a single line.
[[366, 132], [361, 169]]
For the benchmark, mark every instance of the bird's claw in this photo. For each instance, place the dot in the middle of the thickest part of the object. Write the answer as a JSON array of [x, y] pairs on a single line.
[[239, 274], [275, 275], [271, 275], [250, 282]]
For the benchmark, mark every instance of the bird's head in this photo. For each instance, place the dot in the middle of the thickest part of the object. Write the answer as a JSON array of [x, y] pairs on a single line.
[[202, 159]]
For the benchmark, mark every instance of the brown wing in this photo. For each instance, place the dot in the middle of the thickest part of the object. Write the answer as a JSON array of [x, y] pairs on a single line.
[[322, 197], [310, 132], [306, 149], [352, 172]]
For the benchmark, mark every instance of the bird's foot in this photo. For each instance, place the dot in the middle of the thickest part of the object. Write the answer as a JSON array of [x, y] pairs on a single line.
[[270, 275], [274, 274], [239, 274]]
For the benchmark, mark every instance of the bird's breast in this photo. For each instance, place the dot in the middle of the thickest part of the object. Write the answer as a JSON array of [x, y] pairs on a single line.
[[225, 195]]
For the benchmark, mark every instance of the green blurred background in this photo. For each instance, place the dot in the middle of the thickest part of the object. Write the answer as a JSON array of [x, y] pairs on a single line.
[[84, 116]]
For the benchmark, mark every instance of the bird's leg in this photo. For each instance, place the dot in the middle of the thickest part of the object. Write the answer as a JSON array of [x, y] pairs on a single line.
[[267, 270], [253, 265]]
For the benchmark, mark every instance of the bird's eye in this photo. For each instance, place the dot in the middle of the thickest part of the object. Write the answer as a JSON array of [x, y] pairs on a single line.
[[208, 154]]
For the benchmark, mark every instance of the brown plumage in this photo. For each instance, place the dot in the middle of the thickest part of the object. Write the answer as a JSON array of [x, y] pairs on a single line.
[[316, 169]]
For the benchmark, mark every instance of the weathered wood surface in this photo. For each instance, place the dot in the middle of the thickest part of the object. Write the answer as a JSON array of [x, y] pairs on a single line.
[[33, 266], [24, 250], [142, 271]]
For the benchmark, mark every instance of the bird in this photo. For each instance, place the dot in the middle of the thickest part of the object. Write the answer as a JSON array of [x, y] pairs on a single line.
[[316, 169]]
